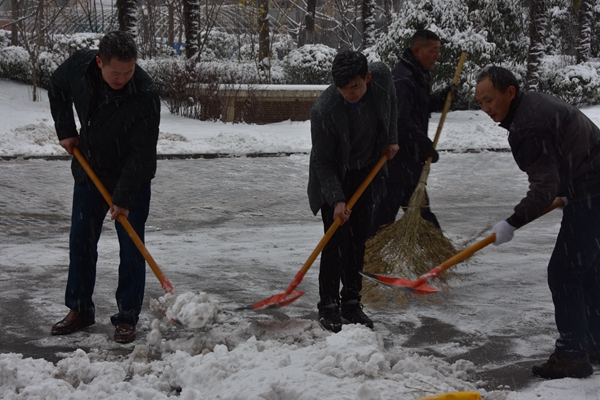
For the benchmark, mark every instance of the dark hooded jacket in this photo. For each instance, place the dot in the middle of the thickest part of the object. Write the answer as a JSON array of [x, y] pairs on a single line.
[[330, 154], [557, 146], [415, 105], [119, 128]]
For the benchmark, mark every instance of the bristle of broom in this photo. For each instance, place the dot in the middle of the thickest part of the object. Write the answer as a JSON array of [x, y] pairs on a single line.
[[408, 248]]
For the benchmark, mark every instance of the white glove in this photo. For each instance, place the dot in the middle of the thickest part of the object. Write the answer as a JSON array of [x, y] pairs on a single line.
[[504, 232]]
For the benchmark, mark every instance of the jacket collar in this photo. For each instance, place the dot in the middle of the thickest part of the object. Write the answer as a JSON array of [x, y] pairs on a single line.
[[514, 105], [421, 74]]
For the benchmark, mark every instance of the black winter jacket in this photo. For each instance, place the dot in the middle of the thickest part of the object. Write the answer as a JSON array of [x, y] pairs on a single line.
[[118, 134], [329, 157], [559, 149], [415, 104]]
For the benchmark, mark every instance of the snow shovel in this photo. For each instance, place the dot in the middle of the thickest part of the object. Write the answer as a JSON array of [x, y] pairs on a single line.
[[290, 295], [164, 282], [419, 286]]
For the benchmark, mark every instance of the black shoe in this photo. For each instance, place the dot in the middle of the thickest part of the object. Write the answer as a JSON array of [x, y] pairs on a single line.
[[124, 333], [352, 313], [594, 356], [329, 317], [564, 365], [73, 322]]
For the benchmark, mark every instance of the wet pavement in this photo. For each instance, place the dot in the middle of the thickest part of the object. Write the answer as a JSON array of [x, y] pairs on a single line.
[[241, 215]]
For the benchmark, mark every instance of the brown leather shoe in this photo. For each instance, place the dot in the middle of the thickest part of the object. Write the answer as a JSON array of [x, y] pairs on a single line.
[[124, 333], [73, 322]]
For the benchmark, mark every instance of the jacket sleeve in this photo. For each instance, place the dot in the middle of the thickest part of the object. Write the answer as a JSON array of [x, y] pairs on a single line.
[[140, 166], [537, 157], [324, 158], [437, 100], [409, 133], [61, 100]]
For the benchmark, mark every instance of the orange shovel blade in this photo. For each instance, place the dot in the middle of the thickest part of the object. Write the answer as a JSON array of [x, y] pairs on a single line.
[[278, 300], [404, 285]]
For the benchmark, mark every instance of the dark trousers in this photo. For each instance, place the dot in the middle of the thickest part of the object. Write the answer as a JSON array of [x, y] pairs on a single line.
[[390, 196], [89, 211], [343, 256], [574, 277]]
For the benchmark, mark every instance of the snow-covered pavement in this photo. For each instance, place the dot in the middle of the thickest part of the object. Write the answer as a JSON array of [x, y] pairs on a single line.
[[238, 229]]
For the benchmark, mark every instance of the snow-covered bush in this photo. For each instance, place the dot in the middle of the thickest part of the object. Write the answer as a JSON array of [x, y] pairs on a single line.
[[65, 45], [309, 64], [14, 64], [4, 38], [576, 84]]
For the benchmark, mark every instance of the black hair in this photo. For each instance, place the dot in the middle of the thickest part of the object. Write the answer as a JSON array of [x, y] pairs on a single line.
[[119, 45], [346, 66], [500, 77], [422, 36]]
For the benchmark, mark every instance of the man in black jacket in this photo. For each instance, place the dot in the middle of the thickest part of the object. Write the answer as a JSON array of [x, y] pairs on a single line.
[[119, 113], [352, 123], [412, 81], [559, 149]]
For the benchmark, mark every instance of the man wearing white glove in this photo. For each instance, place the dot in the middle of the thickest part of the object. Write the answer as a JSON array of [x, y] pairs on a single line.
[[559, 149], [504, 232]]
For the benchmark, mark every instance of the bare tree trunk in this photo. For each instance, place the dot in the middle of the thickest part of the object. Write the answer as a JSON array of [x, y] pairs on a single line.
[[536, 48], [14, 37], [263, 34], [309, 21], [584, 45], [171, 22], [127, 16], [191, 21], [368, 23]]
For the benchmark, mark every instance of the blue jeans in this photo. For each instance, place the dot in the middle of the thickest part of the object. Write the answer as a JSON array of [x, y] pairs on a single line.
[[574, 277], [89, 211]]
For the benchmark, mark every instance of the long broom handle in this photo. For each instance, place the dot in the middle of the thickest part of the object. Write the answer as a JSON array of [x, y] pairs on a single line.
[[448, 102], [164, 282], [469, 251], [313, 256], [427, 167]]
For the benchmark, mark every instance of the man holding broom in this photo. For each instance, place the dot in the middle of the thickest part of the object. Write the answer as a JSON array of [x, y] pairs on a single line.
[[352, 124], [119, 113], [412, 81], [559, 149]]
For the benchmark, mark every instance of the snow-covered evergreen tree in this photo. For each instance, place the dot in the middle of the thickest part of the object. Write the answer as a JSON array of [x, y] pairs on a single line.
[[369, 32], [127, 16], [584, 45], [503, 22], [191, 21], [536, 44]]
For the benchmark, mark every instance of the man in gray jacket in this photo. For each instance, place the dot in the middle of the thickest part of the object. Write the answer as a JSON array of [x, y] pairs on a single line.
[[559, 149], [352, 124]]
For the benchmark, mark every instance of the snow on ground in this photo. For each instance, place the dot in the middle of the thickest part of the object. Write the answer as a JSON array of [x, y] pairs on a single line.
[[226, 357]]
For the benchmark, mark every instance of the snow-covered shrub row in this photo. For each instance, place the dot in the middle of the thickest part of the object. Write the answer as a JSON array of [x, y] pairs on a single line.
[[4, 38], [576, 84], [309, 64]]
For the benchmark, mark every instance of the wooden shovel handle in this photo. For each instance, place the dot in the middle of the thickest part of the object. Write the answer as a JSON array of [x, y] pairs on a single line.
[[469, 251], [164, 282], [336, 223]]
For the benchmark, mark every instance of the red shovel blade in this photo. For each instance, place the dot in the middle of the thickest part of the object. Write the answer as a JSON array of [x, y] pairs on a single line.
[[404, 285], [278, 300]]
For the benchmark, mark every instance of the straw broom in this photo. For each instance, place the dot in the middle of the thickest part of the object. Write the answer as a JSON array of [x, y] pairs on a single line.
[[411, 245]]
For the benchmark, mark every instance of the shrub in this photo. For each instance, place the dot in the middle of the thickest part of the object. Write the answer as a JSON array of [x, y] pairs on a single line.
[[309, 64]]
